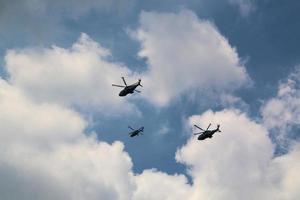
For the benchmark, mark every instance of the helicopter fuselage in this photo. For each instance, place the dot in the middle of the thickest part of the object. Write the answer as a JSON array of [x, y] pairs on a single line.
[[128, 90], [207, 134], [136, 132]]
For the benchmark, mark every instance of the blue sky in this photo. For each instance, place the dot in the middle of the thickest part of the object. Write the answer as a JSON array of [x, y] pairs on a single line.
[[234, 63]]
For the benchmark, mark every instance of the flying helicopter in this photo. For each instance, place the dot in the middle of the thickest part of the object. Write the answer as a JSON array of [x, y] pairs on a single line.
[[206, 133], [128, 89], [136, 131]]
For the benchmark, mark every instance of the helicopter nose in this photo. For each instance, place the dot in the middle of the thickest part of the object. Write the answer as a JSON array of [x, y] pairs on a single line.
[[201, 138], [122, 94]]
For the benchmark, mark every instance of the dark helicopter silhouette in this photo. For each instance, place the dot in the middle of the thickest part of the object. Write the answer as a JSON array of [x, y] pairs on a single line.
[[136, 131], [128, 89], [206, 133]]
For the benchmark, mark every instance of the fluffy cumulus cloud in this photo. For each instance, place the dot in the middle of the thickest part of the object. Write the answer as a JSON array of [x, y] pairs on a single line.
[[22, 121], [153, 184], [45, 152], [46, 155], [238, 163], [80, 75], [282, 112], [287, 167], [234, 163], [184, 53]]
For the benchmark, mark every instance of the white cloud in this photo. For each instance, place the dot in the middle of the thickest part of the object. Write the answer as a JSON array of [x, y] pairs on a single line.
[[184, 54], [86, 169], [282, 112], [245, 6], [80, 75], [234, 162], [238, 163], [156, 185], [288, 167], [44, 154], [25, 122]]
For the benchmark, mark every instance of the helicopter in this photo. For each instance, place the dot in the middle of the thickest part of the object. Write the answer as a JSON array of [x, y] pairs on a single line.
[[128, 89], [206, 133], [136, 131]]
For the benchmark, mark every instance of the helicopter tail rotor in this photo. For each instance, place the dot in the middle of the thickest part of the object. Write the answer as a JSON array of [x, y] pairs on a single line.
[[218, 126], [140, 83]]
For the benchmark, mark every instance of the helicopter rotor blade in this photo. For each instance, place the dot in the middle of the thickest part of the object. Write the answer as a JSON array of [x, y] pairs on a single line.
[[198, 133], [124, 81], [208, 126], [198, 127], [118, 85], [130, 128]]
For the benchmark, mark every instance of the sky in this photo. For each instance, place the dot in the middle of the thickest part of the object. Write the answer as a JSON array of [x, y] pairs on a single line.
[[64, 129]]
